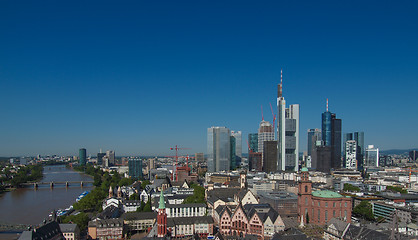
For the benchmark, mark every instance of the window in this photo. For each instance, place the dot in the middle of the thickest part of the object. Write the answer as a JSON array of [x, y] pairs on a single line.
[[306, 189], [345, 204], [326, 215], [333, 204], [306, 200], [319, 203], [319, 215], [326, 204], [345, 213], [333, 213]]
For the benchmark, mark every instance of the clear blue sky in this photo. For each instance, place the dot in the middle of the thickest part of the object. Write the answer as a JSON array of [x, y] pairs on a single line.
[[139, 77]]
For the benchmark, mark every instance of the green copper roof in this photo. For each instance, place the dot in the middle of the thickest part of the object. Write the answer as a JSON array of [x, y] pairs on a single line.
[[162, 203], [304, 169], [326, 194]]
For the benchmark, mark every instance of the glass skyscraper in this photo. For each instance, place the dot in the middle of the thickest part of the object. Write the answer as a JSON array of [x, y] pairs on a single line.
[[135, 168], [219, 152], [314, 135], [331, 136], [82, 156], [253, 142]]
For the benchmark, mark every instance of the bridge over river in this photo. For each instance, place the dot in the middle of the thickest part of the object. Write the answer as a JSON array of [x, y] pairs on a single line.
[[53, 183]]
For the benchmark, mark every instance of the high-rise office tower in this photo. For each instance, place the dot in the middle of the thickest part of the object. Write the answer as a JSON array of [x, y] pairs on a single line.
[[359, 138], [100, 156], [82, 156], [265, 133], [350, 153], [111, 156], [135, 168], [253, 142], [270, 156], [371, 158], [321, 158], [151, 163], [238, 147], [331, 135], [287, 133], [314, 134], [219, 153], [238, 142], [232, 149]]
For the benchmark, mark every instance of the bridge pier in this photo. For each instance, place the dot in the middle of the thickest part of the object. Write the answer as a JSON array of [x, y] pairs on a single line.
[[51, 184], [81, 183], [67, 184], [35, 185]]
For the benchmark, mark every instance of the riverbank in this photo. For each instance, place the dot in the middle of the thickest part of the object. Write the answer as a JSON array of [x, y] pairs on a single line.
[[30, 206]]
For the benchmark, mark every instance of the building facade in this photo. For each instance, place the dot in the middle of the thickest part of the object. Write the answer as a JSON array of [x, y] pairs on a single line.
[[350, 153], [219, 153], [319, 207], [135, 168], [270, 156], [331, 135], [371, 158], [82, 156], [314, 135], [287, 133], [265, 133], [253, 142]]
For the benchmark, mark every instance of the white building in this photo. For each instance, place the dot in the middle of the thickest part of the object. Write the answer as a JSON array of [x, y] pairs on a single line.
[[372, 156], [287, 134], [185, 210], [351, 154]]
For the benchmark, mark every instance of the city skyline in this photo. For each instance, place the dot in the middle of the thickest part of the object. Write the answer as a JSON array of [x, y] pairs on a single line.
[[140, 78]]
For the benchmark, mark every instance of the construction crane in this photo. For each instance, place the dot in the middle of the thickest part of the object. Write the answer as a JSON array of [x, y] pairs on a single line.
[[177, 150]]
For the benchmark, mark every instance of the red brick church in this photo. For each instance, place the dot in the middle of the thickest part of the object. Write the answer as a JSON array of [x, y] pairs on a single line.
[[319, 207]]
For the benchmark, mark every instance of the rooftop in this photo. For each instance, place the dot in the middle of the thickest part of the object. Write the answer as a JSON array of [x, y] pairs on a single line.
[[326, 194]]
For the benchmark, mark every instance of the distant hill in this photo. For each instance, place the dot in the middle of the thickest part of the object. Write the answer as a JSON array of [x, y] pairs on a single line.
[[397, 151]]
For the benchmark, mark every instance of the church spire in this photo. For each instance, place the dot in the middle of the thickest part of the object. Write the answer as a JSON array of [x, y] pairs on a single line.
[[162, 203]]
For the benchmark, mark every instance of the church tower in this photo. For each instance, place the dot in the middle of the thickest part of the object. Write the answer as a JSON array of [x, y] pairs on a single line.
[[162, 218], [304, 196]]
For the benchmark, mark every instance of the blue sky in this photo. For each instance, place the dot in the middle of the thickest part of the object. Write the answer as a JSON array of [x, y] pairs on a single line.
[[140, 77]]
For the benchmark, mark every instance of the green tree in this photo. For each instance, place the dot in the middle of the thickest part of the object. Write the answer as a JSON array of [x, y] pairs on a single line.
[[125, 182], [198, 194], [144, 184], [350, 188], [141, 208], [147, 207], [364, 210], [80, 219], [396, 189]]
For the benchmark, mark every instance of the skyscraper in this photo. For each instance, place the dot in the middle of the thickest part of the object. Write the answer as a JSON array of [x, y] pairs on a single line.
[[372, 157], [238, 142], [350, 153], [314, 135], [253, 142], [331, 135], [232, 153], [265, 133], [111, 157], [219, 153], [82, 156], [100, 156], [270, 156], [287, 133], [238, 147], [359, 138], [135, 168]]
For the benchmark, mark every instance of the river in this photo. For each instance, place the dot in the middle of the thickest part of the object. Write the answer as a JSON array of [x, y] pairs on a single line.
[[31, 206]]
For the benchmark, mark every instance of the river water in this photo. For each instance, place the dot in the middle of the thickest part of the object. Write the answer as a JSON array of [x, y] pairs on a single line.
[[32, 206]]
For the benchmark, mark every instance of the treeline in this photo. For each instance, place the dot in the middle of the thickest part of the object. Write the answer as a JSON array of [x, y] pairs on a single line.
[[24, 174]]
